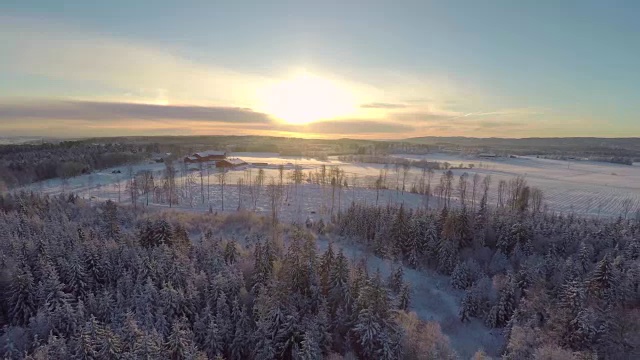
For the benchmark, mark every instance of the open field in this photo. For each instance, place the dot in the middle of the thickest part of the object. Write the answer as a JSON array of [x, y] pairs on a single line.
[[586, 188]]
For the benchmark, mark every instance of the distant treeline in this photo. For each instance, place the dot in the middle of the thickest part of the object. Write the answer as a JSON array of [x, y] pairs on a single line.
[[25, 164], [610, 159], [390, 160]]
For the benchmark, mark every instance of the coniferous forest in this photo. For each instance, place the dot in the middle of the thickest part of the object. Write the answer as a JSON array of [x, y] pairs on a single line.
[[311, 180], [81, 281]]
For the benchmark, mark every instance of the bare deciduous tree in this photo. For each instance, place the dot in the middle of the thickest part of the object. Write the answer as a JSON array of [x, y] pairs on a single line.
[[169, 182], [396, 168], [516, 188], [502, 189], [475, 182], [222, 180], [117, 185], [240, 182], [130, 186], [405, 173], [462, 188], [448, 187], [486, 184], [354, 185], [201, 171], [275, 199], [537, 198], [626, 204], [256, 189], [189, 183], [146, 181], [378, 186], [336, 183]]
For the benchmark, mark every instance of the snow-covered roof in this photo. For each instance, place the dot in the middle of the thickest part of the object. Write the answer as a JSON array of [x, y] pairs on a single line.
[[210, 153], [236, 161]]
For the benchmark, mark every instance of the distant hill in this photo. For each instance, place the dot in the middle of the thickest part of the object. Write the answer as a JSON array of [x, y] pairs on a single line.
[[631, 143], [619, 150]]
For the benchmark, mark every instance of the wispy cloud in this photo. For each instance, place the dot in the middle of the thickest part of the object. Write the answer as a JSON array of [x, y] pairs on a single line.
[[355, 127], [380, 105], [124, 79], [112, 111], [124, 67], [118, 118], [504, 113]]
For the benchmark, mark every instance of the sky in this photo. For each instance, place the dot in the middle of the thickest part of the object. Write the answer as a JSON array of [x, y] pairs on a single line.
[[325, 69]]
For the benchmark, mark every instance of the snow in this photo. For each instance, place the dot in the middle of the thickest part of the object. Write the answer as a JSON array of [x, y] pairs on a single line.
[[583, 187], [432, 299], [210, 153], [586, 188], [577, 186]]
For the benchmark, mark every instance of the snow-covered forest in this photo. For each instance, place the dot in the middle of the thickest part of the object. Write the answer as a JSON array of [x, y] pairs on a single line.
[[100, 282], [111, 281], [22, 164], [394, 257]]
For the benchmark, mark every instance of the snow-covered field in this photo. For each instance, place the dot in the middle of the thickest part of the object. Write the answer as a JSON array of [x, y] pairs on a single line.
[[588, 188], [583, 187]]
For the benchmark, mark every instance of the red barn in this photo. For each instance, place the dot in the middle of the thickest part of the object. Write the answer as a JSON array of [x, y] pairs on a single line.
[[230, 163], [205, 156]]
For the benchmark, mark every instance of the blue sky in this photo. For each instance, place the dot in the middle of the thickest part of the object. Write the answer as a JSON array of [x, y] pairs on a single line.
[[469, 68]]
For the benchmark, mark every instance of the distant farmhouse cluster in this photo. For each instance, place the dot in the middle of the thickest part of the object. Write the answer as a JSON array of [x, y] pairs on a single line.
[[219, 157]]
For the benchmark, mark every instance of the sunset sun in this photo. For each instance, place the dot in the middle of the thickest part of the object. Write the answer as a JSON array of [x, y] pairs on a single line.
[[305, 98]]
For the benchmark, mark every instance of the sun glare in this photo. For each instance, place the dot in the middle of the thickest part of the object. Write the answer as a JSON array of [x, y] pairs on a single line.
[[306, 98]]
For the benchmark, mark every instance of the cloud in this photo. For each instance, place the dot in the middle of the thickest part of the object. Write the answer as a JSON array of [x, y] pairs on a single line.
[[350, 127], [358, 127], [64, 117], [517, 112], [114, 111], [496, 124], [95, 61], [95, 66], [380, 105], [421, 117]]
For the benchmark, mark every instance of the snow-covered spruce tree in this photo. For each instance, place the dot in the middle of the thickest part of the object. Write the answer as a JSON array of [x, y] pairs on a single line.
[[22, 296], [461, 277], [374, 332], [231, 252], [603, 282], [469, 306], [162, 233], [326, 264], [399, 234], [110, 224], [339, 283], [396, 279], [501, 313], [180, 340], [242, 337], [404, 297]]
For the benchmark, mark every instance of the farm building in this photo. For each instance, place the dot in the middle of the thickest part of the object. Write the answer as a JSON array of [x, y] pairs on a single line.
[[230, 163], [205, 156]]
